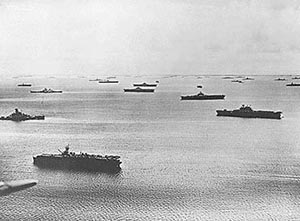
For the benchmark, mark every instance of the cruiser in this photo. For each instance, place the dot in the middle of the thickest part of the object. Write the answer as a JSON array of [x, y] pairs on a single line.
[[138, 89], [144, 85], [201, 96], [46, 91], [19, 116], [78, 161], [248, 112]]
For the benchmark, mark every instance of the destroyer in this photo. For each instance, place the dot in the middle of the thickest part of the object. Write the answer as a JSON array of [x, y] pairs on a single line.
[[19, 116], [83, 162], [138, 89], [144, 85], [46, 91], [248, 112], [201, 96]]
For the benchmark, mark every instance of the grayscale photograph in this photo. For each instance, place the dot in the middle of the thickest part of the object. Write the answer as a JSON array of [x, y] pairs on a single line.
[[150, 110]]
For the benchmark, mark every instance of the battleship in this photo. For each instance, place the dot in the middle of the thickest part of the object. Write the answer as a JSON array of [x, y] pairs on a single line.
[[66, 160], [201, 96], [144, 85], [293, 84], [108, 81], [248, 112], [19, 116], [46, 91], [24, 85], [138, 89]]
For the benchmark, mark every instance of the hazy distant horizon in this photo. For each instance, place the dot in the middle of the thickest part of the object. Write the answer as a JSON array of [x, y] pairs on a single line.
[[131, 37]]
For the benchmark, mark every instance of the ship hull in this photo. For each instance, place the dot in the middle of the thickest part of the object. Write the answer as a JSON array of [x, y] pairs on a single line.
[[41, 92], [139, 91], [254, 114], [78, 164], [205, 97], [23, 118], [144, 85], [108, 82]]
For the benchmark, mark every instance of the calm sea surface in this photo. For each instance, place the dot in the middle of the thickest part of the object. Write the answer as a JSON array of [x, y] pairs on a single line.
[[179, 161]]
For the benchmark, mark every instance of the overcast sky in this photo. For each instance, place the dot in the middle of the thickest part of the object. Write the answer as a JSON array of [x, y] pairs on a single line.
[[95, 37]]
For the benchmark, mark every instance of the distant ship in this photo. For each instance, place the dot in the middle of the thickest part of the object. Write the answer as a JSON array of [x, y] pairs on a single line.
[[248, 79], [199, 86], [24, 85], [280, 79], [293, 84], [237, 81], [296, 78], [108, 81], [78, 161], [227, 77], [46, 91], [138, 89], [97, 79], [19, 116], [201, 96], [248, 112], [144, 85]]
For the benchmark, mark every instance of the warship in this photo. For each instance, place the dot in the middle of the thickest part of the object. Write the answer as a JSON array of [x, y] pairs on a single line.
[[144, 85], [201, 96], [78, 161], [108, 81], [248, 112], [138, 89], [280, 79], [293, 84], [24, 85], [19, 116], [46, 91]]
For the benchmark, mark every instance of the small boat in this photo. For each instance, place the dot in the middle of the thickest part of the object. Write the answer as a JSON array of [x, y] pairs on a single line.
[[46, 91], [138, 89], [201, 96], [227, 77], [296, 78], [108, 81], [199, 86], [248, 112], [293, 84], [144, 85], [24, 85], [156, 81]]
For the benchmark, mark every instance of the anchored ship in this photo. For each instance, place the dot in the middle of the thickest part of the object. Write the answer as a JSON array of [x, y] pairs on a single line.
[[78, 161], [24, 85], [248, 112], [46, 91], [280, 79], [144, 85], [293, 84], [138, 89], [19, 116], [201, 96], [108, 81]]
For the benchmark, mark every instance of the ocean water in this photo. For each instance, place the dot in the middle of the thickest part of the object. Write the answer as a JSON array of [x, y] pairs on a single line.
[[179, 160]]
